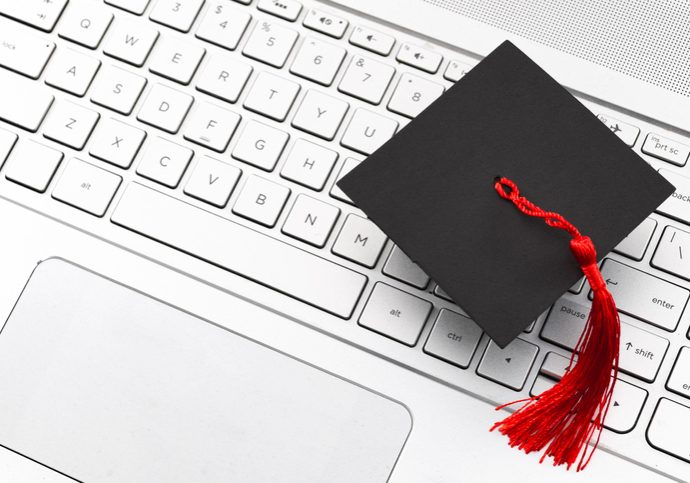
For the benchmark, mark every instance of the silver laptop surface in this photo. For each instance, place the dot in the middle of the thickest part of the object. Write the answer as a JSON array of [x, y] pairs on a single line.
[[187, 296]]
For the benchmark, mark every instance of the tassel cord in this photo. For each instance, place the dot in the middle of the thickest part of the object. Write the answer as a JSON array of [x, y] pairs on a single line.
[[565, 419]]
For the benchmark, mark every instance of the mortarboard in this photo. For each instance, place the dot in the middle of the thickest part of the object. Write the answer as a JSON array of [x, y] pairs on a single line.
[[433, 190]]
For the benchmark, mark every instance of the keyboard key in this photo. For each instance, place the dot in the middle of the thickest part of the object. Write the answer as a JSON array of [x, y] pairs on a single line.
[[130, 42], [400, 267], [395, 314], [164, 162], [626, 132], [668, 431], [577, 286], [176, 14], [348, 165], [70, 124], [456, 70], [672, 254], [320, 114], [635, 244], [287, 9], [262, 259], [271, 96], [260, 145], [223, 77], [270, 43], [679, 380], [7, 140], [211, 126], [325, 23], [261, 201], [453, 339], [360, 241], [85, 23], [372, 40], [86, 187], [176, 60], [366, 79], [71, 71], [136, 7], [165, 108], [413, 94], [212, 181], [509, 366], [27, 53], [644, 296], [311, 220], [117, 89], [116, 142], [641, 352], [41, 14], [367, 131], [676, 205], [666, 149], [28, 110], [554, 366], [309, 164], [223, 24], [419, 57], [318, 61], [33, 165], [627, 400]]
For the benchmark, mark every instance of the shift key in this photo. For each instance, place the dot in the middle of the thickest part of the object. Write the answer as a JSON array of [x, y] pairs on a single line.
[[645, 296]]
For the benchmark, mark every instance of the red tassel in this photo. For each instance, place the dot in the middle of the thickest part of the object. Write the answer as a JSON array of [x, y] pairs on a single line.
[[565, 419]]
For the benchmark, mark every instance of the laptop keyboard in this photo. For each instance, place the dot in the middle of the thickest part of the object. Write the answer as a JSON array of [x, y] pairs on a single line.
[[220, 128]]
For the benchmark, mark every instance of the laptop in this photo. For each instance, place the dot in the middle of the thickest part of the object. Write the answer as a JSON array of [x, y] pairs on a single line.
[[187, 295]]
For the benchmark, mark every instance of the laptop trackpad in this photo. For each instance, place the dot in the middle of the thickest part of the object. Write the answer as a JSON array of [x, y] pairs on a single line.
[[105, 384]]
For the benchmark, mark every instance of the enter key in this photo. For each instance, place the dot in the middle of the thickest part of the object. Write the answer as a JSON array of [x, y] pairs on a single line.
[[645, 296]]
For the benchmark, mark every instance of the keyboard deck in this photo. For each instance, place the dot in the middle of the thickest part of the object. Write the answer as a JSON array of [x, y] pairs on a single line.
[[212, 133]]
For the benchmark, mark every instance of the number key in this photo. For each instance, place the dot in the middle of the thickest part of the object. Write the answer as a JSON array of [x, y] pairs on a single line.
[[177, 14], [318, 61], [270, 43], [366, 79], [223, 25], [413, 94]]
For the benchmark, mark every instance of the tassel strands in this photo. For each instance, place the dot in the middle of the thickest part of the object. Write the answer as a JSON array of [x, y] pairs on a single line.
[[565, 419]]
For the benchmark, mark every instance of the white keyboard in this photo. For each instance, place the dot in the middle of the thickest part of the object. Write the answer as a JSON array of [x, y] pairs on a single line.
[[211, 134]]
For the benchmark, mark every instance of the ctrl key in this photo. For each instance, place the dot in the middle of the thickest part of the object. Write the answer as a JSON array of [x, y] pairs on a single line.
[[669, 429], [86, 187], [395, 314]]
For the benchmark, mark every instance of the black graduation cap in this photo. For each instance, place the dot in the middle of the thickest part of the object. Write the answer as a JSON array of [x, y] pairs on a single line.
[[431, 189]]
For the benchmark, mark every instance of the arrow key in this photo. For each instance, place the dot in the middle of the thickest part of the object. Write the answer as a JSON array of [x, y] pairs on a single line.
[[509, 366]]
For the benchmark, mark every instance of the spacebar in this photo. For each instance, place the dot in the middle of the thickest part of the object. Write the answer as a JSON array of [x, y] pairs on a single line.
[[240, 250]]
